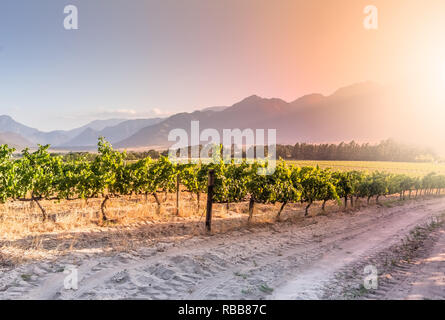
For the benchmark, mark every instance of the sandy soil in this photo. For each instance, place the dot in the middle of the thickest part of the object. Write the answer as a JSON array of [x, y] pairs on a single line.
[[417, 271], [318, 258], [424, 278]]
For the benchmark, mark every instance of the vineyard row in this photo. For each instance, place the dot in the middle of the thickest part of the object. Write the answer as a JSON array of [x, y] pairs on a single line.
[[36, 176]]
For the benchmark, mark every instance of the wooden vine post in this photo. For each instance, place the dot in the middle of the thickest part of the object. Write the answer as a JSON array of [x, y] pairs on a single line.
[[178, 182], [210, 186], [251, 208]]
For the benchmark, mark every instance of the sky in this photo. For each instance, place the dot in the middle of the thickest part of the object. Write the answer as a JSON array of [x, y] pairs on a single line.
[[147, 58]]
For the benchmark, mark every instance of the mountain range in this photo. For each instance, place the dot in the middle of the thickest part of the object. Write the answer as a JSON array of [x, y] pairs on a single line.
[[352, 112], [85, 137], [363, 112]]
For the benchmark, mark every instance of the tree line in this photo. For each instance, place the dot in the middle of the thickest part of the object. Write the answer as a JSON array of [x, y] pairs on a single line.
[[387, 150]]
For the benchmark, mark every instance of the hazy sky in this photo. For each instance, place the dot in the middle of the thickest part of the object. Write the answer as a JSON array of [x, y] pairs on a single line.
[[142, 58]]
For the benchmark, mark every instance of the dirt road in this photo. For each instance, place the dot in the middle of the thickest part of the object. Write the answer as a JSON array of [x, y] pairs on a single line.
[[319, 258], [421, 278]]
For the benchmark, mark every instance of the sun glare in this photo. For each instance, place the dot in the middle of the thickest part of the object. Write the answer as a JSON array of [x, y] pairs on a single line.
[[442, 74]]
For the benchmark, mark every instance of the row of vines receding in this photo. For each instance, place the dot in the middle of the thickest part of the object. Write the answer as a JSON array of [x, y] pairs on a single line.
[[36, 176]]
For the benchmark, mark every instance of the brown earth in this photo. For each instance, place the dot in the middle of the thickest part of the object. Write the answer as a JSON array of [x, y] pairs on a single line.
[[320, 257]]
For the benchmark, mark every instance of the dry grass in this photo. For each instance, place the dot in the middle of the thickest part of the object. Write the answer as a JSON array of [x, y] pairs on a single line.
[[133, 222], [415, 169]]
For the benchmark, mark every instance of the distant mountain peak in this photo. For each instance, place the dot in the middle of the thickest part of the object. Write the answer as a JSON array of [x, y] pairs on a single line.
[[251, 98], [254, 104], [309, 99], [311, 118], [359, 88]]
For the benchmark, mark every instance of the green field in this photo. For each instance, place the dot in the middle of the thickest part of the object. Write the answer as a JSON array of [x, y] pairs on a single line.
[[409, 168]]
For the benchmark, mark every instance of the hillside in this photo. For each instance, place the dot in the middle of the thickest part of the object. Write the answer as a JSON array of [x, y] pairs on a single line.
[[351, 113], [363, 112], [54, 138], [14, 140], [115, 133]]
